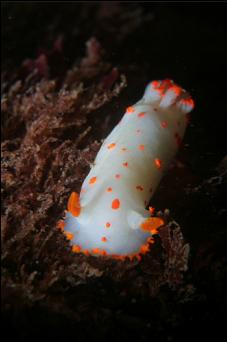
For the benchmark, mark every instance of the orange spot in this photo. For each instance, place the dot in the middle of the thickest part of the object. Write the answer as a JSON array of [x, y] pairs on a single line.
[[108, 224], [96, 250], [144, 248], [109, 189], [117, 176], [69, 236], [124, 149], [116, 203], [155, 84], [111, 146], [104, 239], [125, 164], [139, 187], [99, 251], [164, 124], [86, 252], [151, 224], [76, 249], [61, 225], [141, 147], [130, 110], [158, 163], [140, 115], [74, 204], [151, 210], [92, 180]]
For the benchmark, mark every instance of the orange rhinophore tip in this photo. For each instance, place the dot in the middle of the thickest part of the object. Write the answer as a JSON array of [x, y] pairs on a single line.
[[97, 251], [74, 204], [186, 104], [151, 224]]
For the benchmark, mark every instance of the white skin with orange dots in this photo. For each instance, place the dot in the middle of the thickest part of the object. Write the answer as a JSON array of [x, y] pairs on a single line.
[[109, 216]]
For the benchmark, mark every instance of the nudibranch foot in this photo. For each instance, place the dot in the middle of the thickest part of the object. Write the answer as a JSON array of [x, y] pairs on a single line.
[[109, 218], [83, 236], [145, 248]]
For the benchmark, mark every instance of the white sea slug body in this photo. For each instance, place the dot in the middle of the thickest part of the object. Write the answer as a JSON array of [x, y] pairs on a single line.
[[109, 216]]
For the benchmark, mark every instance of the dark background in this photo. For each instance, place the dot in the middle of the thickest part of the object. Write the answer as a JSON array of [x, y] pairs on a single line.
[[145, 41]]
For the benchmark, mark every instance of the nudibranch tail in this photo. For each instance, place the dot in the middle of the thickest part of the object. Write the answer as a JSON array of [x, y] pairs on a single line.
[[109, 218]]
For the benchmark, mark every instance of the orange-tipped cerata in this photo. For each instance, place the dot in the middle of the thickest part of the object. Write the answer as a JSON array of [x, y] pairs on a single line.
[[74, 204]]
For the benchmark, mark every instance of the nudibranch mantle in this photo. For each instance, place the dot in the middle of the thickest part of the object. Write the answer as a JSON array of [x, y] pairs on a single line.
[[109, 215]]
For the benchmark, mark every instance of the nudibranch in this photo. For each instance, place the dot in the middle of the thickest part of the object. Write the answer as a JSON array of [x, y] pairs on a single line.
[[109, 217]]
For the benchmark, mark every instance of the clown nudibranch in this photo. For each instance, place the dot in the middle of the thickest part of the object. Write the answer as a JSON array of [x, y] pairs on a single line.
[[109, 215]]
